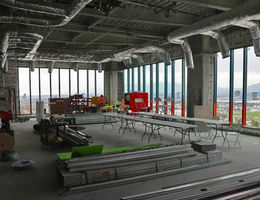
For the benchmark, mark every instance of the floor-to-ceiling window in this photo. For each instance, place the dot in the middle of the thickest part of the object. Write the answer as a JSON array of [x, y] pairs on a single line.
[[45, 87], [91, 78], [253, 89], [135, 78], [125, 81], [24, 90], [223, 87], [100, 83], [73, 80], [169, 84], [141, 78], [147, 80], [55, 83], [238, 85], [64, 82], [154, 83], [35, 88], [83, 82], [178, 85], [130, 80], [161, 80]]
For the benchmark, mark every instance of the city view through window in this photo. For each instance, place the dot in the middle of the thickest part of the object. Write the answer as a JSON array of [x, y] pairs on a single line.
[[40, 90]]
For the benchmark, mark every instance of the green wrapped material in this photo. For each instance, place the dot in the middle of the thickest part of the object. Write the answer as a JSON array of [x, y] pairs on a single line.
[[86, 150], [80, 151]]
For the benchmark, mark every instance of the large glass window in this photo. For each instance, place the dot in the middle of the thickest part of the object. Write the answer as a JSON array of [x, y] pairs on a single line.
[[161, 80], [100, 83], [91, 79], [154, 83], [24, 90], [83, 82], [73, 79], [178, 85], [64, 82], [130, 82], [55, 83], [169, 84], [135, 79], [35, 88], [125, 81], [142, 78], [45, 87], [147, 80], [223, 87], [253, 89], [238, 85]]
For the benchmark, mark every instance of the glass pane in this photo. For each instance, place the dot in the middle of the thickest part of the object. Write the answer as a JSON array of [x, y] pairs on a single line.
[[135, 79], [83, 82], [125, 81], [186, 83], [161, 80], [91, 74], [130, 82], [73, 75], [223, 87], [169, 72], [35, 88], [64, 82], [154, 83], [24, 90], [178, 84], [142, 78], [55, 83], [45, 87], [100, 83], [147, 80], [253, 89], [238, 85]]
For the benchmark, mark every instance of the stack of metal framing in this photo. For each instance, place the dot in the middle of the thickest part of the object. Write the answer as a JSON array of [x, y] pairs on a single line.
[[99, 171]]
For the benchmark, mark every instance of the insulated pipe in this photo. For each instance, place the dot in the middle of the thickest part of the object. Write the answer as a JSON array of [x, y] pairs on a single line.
[[187, 52], [222, 43], [4, 43], [250, 10], [33, 51], [70, 13], [33, 7]]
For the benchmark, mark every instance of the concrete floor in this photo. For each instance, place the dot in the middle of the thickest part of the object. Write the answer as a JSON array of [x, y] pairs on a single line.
[[41, 182]]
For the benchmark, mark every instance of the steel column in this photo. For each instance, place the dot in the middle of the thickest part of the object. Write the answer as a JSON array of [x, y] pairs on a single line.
[[39, 74], [59, 83], [157, 87], [30, 88], [165, 87], [183, 89], [128, 80], [151, 86], [69, 82], [244, 103], [133, 79], [139, 78], [231, 86], [144, 79], [95, 78], [215, 86], [173, 87]]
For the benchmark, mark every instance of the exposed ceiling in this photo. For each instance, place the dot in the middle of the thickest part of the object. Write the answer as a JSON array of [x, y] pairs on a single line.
[[84, 30]]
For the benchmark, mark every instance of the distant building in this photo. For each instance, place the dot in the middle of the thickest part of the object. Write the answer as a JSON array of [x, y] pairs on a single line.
[[237, 93], [254, 95]]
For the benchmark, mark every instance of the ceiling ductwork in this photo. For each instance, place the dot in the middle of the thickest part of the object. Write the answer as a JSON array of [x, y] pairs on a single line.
[[222, 43], [246, 12], [70, 13], [37, 8], [255, 33], [4, 43], [186, 51]]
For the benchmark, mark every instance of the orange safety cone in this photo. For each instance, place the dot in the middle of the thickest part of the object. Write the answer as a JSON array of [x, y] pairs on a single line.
[[123, 105]]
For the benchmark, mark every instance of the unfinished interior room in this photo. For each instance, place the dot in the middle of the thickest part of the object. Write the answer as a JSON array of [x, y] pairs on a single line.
[[129, 99]]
